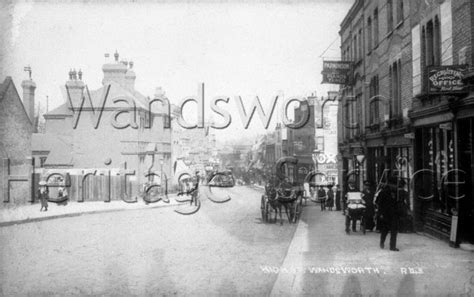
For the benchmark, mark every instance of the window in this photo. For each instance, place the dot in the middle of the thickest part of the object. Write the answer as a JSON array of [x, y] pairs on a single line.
[[360, 45], [350, 114], [42, 161], [354, 45], [430, 46], [400, 11], [374, 101], [395, 80], [389, 15], [354, 123], [369, 34], [376, 27], [436, 155], [431, 42]]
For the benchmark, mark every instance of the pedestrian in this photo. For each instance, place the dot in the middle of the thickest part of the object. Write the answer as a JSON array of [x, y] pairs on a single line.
[[330, 201], [338, 197], [322, 197], [43, 193], [405, 223], [368, 197], [389, 214]]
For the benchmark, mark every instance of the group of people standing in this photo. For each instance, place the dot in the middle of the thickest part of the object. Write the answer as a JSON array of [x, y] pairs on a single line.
[[328, 199]]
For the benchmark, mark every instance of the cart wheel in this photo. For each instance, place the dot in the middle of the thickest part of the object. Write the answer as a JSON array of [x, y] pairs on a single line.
[[262, 209]]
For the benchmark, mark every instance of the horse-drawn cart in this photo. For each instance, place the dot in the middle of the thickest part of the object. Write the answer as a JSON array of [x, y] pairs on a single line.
[[283, 196]]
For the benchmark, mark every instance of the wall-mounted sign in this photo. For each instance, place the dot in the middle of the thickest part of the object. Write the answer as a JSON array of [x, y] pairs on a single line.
[[337, 72], [446, 79]]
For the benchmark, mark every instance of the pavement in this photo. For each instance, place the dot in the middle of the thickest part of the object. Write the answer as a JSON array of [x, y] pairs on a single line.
[[217, 251], [323, 260], [31, 212], [242, 256]]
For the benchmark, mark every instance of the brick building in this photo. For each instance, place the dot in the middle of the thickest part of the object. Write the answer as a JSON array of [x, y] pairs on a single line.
[[406, 112], [301, 140], [443, 118], [375, 36], [16, 128], [110, 127]]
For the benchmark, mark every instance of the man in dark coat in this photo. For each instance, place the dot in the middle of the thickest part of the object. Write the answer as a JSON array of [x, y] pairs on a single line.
[[389, 214], [330, 201], [322, 197], [338, 198], [368, 197]]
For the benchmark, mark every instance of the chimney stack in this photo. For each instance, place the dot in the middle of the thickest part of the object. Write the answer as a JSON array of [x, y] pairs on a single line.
[[74, 89], [130, 77], [29, 87]]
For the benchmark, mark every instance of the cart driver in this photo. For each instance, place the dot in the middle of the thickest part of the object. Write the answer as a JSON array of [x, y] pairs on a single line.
[[194, 190], [285, 188]]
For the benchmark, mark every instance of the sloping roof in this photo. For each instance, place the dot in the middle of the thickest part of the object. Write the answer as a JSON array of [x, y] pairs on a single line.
[[60, 151], [3, 90], [60, 110], [4, 86], [60, 155], [116, 91]]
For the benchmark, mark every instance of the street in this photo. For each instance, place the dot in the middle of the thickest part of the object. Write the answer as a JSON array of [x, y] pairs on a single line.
[[219, 249], [223, 249]]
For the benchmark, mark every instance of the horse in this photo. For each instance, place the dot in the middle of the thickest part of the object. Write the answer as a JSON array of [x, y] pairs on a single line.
[[275, 197]]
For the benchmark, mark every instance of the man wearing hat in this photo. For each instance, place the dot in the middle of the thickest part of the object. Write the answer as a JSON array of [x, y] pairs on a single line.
[[368, 197], [43, 195], [388, 213]]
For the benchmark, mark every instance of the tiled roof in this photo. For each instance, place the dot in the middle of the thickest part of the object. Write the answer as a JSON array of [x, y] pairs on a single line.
[[3, 90], [60, 151], [116, 91], [60, 110]]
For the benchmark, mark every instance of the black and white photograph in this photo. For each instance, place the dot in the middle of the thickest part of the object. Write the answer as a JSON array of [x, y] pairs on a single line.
[[237, 148]]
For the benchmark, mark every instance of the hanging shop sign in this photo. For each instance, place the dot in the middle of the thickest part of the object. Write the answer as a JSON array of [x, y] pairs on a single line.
[[446, 79], [337, 72]]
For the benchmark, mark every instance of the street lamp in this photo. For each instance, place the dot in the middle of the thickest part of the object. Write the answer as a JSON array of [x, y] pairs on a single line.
[[315, 156], [360, 159]]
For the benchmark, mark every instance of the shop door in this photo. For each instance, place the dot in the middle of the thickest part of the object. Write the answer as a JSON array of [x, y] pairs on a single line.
[[466, 163]]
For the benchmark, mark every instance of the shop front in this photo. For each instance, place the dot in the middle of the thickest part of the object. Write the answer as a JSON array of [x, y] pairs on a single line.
[[444, 162], [443, 180]]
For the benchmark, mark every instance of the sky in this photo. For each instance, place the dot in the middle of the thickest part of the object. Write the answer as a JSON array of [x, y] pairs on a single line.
[[235, 48]]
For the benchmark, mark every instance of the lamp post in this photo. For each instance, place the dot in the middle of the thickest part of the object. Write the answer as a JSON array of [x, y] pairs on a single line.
[[360, 158], [315, 156]]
